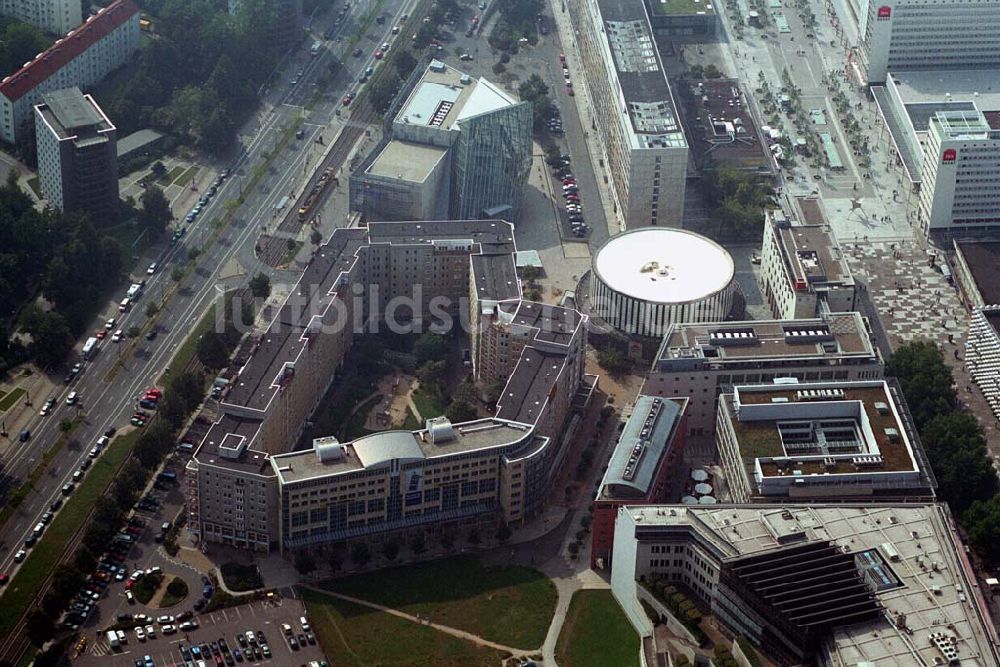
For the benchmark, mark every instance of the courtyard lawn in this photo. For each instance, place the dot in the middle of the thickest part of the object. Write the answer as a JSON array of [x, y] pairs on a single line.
[[352, 635], [596, 633], [429, 404], [11, 398], [509, 605]]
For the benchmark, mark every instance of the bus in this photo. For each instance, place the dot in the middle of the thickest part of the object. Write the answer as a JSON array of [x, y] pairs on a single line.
[[314, 49], [89, 348], [280, 206]]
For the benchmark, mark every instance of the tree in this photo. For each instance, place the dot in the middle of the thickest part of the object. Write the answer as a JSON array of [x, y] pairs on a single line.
[[155, 209], [304, 563], [334, 560], [430, 347], [83, 560], [177, 274], [50, 335], [66, 581], [712, 72], [384, 90], [315, 237], [474, 538], [212, 351], [447, 538], [431, 374], [499, 68], [418, 544], [390, 549], [460, 411], [40, 627], [612, 360], [360, 554], [925, 379], [982, 521], [530, 274], [503, 532], [536, 91], [956, 449], [260, 286], [133, 331], [151, 309], [404, 63]]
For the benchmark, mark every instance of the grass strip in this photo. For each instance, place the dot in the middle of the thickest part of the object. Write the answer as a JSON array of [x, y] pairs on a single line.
[[8, 401], [596, 633], [43, 558], [187, 176]]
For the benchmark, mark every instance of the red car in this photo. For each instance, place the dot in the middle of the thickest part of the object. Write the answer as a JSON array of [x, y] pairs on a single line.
[[562, 58], [128, 584], [569, 89], [379, 54], [153, 393], [569, 181], [4, 578], [347, 99], [101, 334]]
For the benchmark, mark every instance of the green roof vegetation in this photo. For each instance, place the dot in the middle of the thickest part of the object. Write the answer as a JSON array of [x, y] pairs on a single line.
[[672, 7]]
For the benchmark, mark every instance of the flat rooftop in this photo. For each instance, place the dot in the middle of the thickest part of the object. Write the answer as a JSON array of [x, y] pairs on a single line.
[[970, 88], [680, 7], [380, 449], [648, 99], [444, 96], [496, 277], [644, 441], [814, 254], [407, 161], [527, 389], [225, 430], [983, 260], [932, 584], [71, 114], [840, 335], [555, 324], [493, 236], [821, 428], [722, 129]]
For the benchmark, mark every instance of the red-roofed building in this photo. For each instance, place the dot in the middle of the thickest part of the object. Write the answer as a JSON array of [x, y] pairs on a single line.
[[83, 57]]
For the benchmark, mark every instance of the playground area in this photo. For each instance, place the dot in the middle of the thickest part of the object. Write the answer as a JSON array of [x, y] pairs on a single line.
[[393, 405]]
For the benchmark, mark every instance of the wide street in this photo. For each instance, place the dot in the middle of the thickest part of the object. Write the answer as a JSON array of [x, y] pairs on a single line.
[[116, 375]]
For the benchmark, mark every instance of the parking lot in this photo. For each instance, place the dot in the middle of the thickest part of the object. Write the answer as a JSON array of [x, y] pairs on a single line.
[[228, 624]]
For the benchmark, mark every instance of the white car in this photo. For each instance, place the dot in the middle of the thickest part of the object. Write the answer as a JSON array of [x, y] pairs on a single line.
[[20, 555], [137, 575], [151, 632], [385, 47], [72, 398], [139, 633], [162, 620], [304, 623], [169, 629], [110, 324], [129, 597], [117, 336], [151, 270]]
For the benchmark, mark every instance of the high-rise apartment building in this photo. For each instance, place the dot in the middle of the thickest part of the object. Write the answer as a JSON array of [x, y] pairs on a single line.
[[928, 34], [55, 16], [459, 149], [637, 120], [87, 54], [77, 154]]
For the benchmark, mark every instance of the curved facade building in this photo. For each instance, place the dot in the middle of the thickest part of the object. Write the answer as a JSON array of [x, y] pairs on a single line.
[[646, 279]]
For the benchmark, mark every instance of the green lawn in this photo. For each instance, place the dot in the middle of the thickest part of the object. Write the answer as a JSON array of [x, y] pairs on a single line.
[[169, 599], [187, 176], [11, 398], [23, 588], [428, 404], [596, 633], [668, 7], [355, 636], [170, 176], [509, 605]]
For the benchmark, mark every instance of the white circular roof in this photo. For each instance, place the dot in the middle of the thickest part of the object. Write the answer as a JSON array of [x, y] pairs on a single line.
[[664, 265]]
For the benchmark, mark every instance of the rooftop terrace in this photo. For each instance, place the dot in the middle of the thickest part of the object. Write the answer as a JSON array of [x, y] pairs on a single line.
[[814, 255], [680, 7]]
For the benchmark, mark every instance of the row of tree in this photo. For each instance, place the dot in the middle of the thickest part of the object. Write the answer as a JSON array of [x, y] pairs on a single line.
[[954, 442], [61, 258], [184, 392], [518, 19], [200, 76], [736, 201]]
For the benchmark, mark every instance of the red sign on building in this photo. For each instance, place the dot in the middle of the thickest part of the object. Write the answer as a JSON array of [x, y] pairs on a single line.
[[884, 13], [949, 155]]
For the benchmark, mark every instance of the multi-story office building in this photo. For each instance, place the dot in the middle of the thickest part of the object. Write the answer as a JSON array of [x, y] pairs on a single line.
[[82, 58], [803, 272], [77, 154], [960, 180], [688, 20], [982, 353], [820, 441], [821, 584], [977, 272], [352, 287], [945, 129], [701, 361], [55, 16], [650, 445], [400, 480], [646, 152], [901, 35], [459, 148]]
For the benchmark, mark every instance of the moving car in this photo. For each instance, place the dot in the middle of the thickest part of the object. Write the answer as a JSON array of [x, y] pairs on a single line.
[[152, 269], [47, 408]]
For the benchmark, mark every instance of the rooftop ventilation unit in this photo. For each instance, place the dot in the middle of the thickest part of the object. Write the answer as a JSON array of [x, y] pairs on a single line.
[[872, 461], [882, 407], [440, 430], [891, 433], [436, 66], [819, 394], [328, 449]]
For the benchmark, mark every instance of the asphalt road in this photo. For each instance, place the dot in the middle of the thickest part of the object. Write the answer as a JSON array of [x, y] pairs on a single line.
[[106, 402]]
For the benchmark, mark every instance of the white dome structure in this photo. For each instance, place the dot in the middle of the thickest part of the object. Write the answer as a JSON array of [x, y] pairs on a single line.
[[646, 279]]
